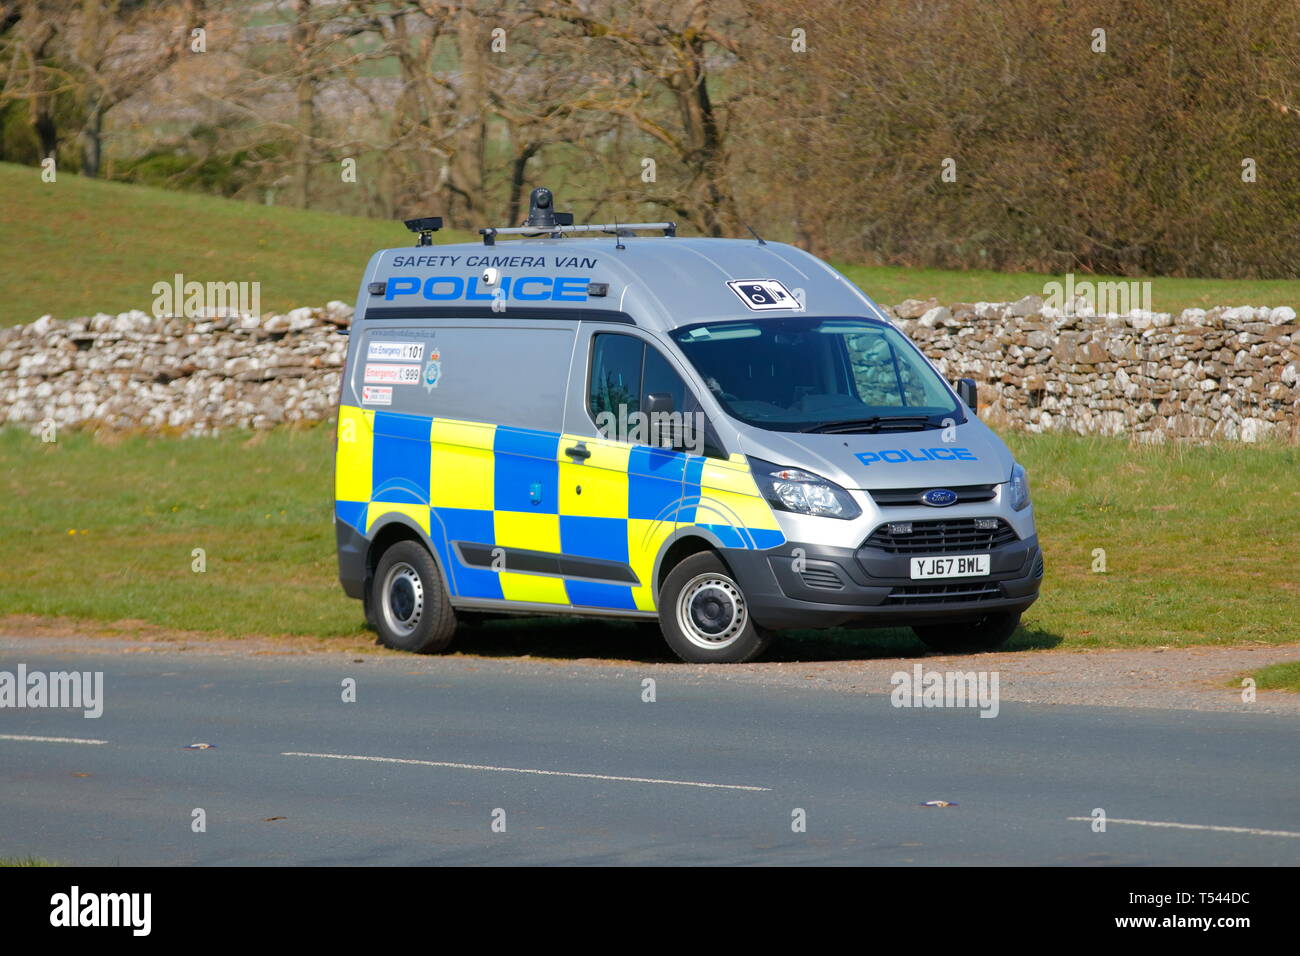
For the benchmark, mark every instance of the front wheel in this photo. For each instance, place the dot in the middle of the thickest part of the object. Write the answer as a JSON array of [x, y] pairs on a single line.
[[408, 603], [981, 634], [704, 616]]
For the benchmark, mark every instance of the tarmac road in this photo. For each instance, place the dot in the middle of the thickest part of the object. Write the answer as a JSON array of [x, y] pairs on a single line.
[[585, 772]]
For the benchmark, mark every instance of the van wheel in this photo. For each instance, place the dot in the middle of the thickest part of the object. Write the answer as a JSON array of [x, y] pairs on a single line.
[[704, 616], [409, 605], [981, 634]]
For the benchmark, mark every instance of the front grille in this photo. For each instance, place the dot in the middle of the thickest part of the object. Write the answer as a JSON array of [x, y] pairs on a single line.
[[912, 496], [951, 536], [944, 593], [823, 578]]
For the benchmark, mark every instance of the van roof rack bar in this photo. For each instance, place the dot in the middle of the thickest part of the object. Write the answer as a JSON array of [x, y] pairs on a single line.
[[613, 229]]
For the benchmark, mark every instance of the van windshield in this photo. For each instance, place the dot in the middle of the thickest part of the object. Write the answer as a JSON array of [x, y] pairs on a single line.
[[818, 374]]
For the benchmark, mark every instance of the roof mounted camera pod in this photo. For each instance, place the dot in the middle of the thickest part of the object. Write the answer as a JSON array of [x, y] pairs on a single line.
[[544, 220], [425, 227]]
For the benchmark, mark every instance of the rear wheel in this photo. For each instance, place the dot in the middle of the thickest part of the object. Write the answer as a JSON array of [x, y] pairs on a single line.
[[407, 601], [704, 616], [980, 634]]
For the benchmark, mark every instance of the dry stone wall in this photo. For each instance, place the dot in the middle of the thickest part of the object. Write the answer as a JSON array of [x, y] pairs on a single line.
[[1231, 373], [1220, 373]]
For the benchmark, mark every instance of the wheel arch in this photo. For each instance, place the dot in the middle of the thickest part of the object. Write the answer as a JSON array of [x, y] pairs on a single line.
[[390, 529], [679, 546]]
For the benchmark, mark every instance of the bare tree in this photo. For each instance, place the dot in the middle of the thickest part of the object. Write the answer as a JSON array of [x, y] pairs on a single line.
[[118, 47], [652, 62], [31, 75], [305, 33]]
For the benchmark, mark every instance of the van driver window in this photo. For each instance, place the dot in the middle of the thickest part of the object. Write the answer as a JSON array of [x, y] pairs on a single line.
[[615, 375], [624, 371]]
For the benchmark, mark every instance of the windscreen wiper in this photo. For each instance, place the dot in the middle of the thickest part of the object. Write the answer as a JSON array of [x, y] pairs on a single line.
[[874, 423]]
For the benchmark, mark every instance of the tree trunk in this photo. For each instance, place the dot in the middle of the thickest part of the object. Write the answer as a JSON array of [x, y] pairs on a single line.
[[715, 209], [466, 169], [518, 182], [304, 36], [47, 132], [41, 106], [92, 137]]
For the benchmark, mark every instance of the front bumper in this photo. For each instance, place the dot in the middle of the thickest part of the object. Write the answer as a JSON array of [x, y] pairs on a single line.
[[808, 585]]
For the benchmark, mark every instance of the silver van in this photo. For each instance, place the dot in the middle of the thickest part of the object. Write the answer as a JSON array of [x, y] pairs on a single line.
[[723, 435]]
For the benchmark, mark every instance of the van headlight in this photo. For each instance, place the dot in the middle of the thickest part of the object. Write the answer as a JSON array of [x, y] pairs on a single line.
[[802, 492], [1018, 489]]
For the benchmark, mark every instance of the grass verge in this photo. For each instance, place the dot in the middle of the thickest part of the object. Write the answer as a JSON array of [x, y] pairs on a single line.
[[1278, 677]]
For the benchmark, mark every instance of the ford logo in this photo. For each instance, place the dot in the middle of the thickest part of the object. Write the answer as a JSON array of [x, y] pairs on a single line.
[[939, 497]]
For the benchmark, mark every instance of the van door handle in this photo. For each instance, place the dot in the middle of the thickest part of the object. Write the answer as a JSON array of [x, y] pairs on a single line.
[[578, 451]]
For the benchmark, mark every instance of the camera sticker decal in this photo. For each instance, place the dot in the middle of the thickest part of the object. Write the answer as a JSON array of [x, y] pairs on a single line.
[[762, 295]]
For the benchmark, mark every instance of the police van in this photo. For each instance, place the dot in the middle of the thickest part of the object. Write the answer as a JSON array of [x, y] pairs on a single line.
[[723, 435]]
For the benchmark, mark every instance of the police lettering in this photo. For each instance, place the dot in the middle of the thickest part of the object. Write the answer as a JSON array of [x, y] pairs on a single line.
[[896, 456], [518, 288]]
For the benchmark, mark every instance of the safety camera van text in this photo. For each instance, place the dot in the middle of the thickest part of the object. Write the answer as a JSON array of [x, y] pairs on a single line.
[[723, 435]]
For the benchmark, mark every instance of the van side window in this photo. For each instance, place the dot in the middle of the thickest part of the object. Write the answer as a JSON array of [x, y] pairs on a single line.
[[615, 375], [624, 371], [660, 378]]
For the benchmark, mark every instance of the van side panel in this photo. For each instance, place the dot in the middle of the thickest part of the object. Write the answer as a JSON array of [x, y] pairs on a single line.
[[511, 515], [619, 506], [722, 497], [526, 511], [353, 463], [462, 469], [593, 521]]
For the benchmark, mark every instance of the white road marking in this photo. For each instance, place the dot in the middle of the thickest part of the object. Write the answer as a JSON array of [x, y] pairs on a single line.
[[52, 740], [1194, 826], [543, 773]]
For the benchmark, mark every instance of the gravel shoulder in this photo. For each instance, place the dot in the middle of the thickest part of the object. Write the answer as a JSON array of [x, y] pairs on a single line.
[[1201, 678]]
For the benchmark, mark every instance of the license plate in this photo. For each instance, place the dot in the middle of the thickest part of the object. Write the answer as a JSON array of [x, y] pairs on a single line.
[[957, 566]]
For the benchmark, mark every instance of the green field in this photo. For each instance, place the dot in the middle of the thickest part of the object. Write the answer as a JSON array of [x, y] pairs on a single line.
[[78, 246], [1199, 541]]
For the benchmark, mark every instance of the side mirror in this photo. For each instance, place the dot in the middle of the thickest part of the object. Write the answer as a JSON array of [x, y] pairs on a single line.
[[659, 403], [968, 392], [658, 408]]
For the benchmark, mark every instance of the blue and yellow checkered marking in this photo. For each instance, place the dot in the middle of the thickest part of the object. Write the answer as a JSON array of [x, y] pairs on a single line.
[[516, 488]]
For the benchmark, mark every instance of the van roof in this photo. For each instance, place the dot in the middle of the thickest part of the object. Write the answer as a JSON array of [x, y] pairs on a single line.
[[661, 283]]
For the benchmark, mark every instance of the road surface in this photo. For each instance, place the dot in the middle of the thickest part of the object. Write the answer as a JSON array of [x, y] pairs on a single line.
[[581, 770]]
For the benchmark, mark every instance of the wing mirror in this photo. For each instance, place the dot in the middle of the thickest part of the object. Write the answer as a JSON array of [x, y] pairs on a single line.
[[968, 392], [659, 403]]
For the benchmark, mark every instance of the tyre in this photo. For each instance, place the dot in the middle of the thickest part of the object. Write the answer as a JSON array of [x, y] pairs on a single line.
[[368, 603], [704, 616], [407, 601], [979, 634]]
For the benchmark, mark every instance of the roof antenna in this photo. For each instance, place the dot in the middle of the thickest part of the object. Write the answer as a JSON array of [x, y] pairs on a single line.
[[753, 233], [618, 236]]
